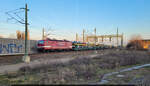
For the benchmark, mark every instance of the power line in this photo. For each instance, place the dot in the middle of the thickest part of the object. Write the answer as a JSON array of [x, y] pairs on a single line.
[[13, 15]]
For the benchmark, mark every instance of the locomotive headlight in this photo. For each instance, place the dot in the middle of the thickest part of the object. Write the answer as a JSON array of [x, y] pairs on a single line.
[[44, 46], [47, 46]]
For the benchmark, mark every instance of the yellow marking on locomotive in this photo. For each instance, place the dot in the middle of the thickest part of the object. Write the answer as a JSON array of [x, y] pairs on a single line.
[[79, 44]]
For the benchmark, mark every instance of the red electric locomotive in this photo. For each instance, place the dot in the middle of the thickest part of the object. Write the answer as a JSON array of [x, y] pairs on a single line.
[[52, 45]]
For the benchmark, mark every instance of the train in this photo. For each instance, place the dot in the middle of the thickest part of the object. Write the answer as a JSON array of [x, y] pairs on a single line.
[[65, 45]]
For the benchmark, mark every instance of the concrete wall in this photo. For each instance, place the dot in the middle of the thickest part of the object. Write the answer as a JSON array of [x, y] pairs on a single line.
[[15, 46]]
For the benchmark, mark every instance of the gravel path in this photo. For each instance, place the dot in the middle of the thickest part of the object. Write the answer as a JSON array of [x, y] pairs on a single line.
[[105, 80]]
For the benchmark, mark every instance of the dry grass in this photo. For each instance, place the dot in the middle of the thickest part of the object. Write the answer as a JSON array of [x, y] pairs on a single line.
[[83, 70], [124, 58]]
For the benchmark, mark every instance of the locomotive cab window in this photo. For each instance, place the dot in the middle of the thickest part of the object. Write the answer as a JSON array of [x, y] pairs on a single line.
[[40, 42]]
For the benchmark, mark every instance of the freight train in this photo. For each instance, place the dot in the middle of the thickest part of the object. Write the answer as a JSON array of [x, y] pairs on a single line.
[[64, 45]]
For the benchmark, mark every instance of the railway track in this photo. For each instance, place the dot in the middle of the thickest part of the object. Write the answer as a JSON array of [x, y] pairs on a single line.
[[13, 59], [51, 52]]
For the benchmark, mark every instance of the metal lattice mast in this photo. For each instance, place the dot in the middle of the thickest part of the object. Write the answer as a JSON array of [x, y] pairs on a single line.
[[117, 36], [122, 40], [83, 35], [95, 35], [95, 40], [43, 35], [76, 37]]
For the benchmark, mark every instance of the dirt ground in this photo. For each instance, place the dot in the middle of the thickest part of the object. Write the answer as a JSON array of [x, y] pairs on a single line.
[[82, 70]]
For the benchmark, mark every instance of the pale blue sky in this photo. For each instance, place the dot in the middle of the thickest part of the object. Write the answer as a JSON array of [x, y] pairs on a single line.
[[66, 17]]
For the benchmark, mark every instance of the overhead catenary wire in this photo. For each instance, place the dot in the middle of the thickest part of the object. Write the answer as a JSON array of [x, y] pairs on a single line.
[[16, 17]]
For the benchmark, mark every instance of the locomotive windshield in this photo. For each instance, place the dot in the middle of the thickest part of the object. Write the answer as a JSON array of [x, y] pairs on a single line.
[[41, 42]]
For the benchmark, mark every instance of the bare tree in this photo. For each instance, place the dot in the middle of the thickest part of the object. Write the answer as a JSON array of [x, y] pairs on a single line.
[[21, 35], [47, 33], [135, 42]]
